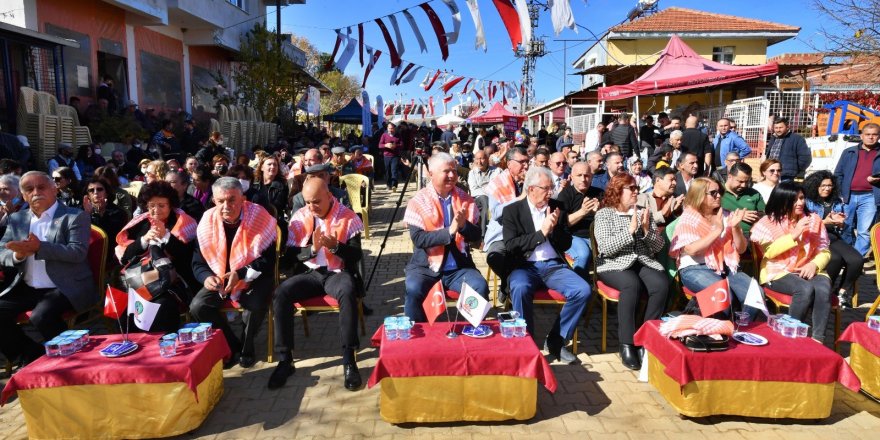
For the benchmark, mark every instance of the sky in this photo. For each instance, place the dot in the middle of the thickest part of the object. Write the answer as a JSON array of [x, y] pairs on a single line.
[[317, 19]]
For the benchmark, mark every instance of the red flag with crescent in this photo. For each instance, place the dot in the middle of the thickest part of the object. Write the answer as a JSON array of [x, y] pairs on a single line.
[[714, 299], [435, 302]]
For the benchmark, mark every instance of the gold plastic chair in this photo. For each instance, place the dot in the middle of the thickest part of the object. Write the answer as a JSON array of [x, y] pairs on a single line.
[[353, 183], [875, 248]]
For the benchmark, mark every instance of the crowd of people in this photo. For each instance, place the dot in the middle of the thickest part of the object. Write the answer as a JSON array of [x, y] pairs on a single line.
[[617, 211]]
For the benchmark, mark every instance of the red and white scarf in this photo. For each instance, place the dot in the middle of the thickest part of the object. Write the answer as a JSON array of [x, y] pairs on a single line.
[[341, 222], [810, 243], [692, 226], [502, 188], [425, 212], [184, 229]]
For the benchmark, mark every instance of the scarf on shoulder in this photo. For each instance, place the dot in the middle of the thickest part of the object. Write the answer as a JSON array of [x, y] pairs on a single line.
[[184, 229], [692, 226], [502, 188], [341, 222], [425, 212], [811, 242]]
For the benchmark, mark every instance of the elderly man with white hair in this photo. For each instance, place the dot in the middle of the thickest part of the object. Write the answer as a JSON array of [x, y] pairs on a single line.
[[536, 235], [10, 199], [442, 220]]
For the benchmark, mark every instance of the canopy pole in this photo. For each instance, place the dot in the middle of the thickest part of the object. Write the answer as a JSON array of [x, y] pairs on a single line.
[[636, 109]]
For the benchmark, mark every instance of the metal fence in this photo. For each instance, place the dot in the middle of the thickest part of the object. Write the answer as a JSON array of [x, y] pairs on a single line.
[[750, 116]]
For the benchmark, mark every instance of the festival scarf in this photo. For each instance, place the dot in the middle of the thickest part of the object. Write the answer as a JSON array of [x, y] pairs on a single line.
[[502, 188], [184, 229], [692, 226], [438, 29], [813, 241], [342, 223], [256, 233], [425, 212]]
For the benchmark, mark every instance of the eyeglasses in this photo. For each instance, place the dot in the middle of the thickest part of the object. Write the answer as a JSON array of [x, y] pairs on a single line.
[[632, 188], [543, 188], [774, 171], [95, 190], [151, 206], [521, 162], [830, 185], [57, 179], [713, 193]]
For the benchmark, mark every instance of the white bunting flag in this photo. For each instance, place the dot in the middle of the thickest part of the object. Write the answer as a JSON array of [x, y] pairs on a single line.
[[525, 23], [755, 298], [452, 37], [561, 16], [397, 37], [415, 29], [480, 39]]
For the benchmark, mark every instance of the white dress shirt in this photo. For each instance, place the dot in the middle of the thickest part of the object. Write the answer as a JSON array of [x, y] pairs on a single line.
[[545, 250], [35, 274]]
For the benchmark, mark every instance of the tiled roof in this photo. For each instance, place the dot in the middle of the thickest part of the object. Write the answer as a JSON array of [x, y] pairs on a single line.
[[689, 20], [800, 59]]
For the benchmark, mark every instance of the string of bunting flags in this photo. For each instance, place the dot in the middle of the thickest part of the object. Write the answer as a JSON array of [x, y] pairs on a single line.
[[514, 14]]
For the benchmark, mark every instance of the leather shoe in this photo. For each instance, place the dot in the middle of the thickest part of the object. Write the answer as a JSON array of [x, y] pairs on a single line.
[[367, 310], [246, 361], [232, 361], [557, 350], [352, 377], [279, 376], [629, 355]]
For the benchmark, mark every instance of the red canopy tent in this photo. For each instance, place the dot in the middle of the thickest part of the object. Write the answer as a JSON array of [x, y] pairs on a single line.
[[495, 115], [680, 68]]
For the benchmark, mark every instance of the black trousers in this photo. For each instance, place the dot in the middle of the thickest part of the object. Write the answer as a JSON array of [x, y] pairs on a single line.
[[207, 304], [483, 203], [845, 260], [339, 285], [815, 293], [632, 284], [47, 304], [500, 262]]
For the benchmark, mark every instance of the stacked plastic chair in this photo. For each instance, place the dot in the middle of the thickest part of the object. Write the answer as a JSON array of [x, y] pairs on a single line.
[[242, 128], [46, 123]]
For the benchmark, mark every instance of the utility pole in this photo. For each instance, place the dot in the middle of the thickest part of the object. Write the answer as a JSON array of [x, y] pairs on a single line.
[[530, 55]]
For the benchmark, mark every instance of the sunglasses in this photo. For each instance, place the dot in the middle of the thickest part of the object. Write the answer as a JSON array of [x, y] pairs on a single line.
[[774, 171], [95, 190], [632, 188], [521, 162], [57, 179], [713, 193]]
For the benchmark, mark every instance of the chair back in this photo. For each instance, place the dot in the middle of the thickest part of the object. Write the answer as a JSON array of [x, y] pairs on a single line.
[[370, 158], [353, 184], [97, 255]]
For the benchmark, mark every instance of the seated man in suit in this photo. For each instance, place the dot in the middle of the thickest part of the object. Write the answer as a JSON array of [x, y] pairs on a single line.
[[47, 244], [442, 219], [235, 258], [326, 237], [536, 235]]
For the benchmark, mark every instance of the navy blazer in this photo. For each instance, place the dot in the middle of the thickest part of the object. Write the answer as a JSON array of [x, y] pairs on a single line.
[[64, 251]]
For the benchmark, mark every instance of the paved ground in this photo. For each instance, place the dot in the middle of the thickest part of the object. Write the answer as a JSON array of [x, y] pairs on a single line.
[[598, 399]]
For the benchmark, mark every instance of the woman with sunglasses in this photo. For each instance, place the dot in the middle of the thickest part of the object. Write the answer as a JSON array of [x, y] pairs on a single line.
[[771, 170], [795, 247], [823, 199], [627, 240], [105, 214], [68, 187], [708, 241]]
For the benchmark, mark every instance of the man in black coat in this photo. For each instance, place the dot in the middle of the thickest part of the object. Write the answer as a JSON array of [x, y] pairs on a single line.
[[790, 149], [695, 141]]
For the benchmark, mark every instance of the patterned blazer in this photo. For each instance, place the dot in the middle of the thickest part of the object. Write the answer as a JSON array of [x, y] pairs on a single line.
[[618, 249]]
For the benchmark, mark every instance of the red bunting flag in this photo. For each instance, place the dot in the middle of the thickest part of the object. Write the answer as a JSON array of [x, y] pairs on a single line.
[[510, 17], [370, 66], [714, 299], [115, 303], [450, 84], [438, 29], [392, 51], [431, 105], [431, 82], [329, 64], [435, 302]]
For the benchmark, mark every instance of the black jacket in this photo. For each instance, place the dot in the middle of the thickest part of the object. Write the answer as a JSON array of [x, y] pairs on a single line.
[[794, 155], [695, 141], [520, 236]]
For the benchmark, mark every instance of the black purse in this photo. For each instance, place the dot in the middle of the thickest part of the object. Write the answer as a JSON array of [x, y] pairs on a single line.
[[151, 275], [705, 343]]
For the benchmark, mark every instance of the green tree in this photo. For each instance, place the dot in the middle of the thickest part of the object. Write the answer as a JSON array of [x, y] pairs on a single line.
[[265, 76], [345, 87]]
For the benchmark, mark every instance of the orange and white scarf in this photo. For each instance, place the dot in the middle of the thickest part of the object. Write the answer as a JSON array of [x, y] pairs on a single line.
[[811, 242], [341, 222], [502, 188], [255, 234], [692, 226], [184, 229], [425, 212]]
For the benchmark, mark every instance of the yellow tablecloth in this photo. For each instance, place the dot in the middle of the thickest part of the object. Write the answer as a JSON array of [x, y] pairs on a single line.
[[456, 398], [867, 368], [129, 410], [772, 399]]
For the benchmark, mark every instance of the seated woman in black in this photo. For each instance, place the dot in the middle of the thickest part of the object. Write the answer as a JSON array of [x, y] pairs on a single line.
[[164, 226]]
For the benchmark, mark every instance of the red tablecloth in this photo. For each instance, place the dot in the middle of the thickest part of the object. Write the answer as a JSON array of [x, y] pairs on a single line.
[[861, 334], [431, 353], [192, 365], [782, 359]]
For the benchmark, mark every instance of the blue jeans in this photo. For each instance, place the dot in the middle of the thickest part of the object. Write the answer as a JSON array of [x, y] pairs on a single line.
[[392, 169], [859, 215], [553, 274], [580, 252], [697, 278], [419, 282]]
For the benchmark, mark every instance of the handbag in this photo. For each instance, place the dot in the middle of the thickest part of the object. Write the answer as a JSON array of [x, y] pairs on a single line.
[[153, 275], [705, 343]]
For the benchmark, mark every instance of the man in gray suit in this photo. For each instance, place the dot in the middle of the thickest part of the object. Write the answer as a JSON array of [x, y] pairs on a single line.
[[47, 244]]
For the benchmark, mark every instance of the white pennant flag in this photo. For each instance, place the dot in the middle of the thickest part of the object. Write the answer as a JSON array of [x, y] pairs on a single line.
[[424, 82], [755, 298], [397, 37], [144, 311], [472, 306], [525, 23], [452, 37], [561, 16], [380, 110], [480, 39], [412, 73], [366, 115], [394, 74], [415, 29]]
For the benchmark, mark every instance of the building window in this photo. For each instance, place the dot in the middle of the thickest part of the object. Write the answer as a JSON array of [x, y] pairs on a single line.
[[722, 54], [241, 4]]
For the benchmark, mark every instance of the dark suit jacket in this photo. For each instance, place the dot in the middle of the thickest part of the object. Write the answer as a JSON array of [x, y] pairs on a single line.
[[64, 251], [520, 236], [680, 188]]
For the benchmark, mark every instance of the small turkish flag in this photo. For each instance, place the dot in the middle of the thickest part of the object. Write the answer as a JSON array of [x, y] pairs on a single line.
[[115, 303], [435, 302], [714, 299]]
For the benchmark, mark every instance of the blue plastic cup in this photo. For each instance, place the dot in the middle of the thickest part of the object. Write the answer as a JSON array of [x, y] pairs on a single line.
[[390, 326], [519, 328], [803, 330], [167, 347], [53, 349], [508, 329], [404, 328], [67, 346], [200, 334], [185, 336]]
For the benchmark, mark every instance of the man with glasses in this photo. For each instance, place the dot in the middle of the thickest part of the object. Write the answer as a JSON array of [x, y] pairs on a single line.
[[722, 172], [738, 195], [557, 165], [536, 235], [46, 244], [858, 173], [502, 190], [790, 149]]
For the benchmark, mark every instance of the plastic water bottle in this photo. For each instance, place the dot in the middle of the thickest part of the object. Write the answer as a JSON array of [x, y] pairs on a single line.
[[519, 328], [508, 329], [404, 328], [390, 325]]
